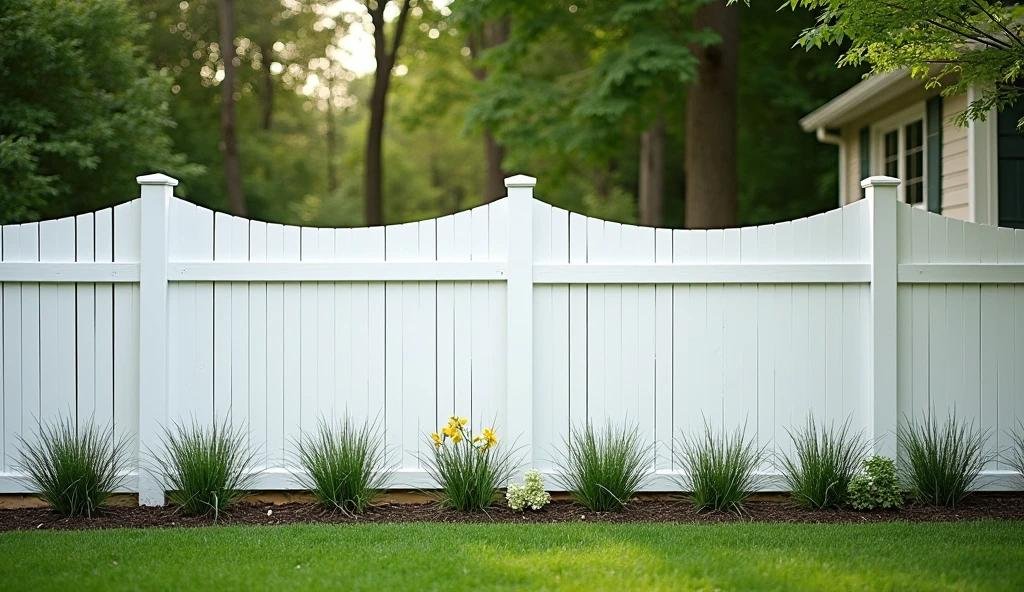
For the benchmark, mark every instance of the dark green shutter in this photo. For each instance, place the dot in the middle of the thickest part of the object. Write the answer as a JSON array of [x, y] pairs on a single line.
[[865, 155], [1010, 166], [933, 152]]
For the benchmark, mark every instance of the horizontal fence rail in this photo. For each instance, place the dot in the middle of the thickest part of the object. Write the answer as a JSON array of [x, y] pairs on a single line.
[[516, 314]]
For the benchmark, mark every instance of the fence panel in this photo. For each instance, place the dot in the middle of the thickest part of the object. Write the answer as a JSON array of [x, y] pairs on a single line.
[[515, 313]]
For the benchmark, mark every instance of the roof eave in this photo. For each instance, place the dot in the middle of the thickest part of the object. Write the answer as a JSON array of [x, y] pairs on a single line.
[[858, 100]]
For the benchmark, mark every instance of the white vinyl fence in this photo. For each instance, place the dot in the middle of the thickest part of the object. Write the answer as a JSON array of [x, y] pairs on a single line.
[[516, 313]]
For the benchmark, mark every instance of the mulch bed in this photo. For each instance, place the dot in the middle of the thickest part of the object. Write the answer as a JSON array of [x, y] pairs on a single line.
[[985, 506]]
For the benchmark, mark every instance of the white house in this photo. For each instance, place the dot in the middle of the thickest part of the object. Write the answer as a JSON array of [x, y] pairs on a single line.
[[890, 125]]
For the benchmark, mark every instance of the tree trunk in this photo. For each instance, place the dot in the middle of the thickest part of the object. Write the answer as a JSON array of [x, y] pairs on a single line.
[[332, 146], [267, 96], [652, 173], [711, 184], [491, 35], [495, 153], [374, 166], [374, 180], [228, 134]]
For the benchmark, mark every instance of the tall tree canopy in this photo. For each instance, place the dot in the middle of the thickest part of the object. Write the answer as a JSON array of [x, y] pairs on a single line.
[[950, 44], [588, 96], [81, 110]]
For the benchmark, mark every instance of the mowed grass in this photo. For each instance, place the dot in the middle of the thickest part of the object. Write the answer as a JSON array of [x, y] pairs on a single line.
[[894, 556]]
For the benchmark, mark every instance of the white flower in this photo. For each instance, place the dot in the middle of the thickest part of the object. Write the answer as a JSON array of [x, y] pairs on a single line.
[[529, 494]]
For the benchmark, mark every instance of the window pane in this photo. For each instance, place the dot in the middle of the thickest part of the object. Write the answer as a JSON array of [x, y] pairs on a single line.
[[892, 154], [915, 192], [915, 135]]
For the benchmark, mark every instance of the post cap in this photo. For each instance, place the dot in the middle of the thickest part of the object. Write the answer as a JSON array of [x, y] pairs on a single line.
[[880, 181], [156, 179], [520, 181]]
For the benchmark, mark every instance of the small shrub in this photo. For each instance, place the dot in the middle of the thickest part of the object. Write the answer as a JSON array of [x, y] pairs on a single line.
[[74, 468], [469, 468], [603, 470], [827, 458], [719, 468], [343, 466], [1015, 456], [529, 494], [877, 487], [942, 461], [205, 469]]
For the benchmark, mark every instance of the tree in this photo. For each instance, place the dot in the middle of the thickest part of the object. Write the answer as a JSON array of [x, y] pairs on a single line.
[[228, 133], [779, 84], [577, 83], [711, 151], [385, 54], [650, 195], [486, 36], [948, 44], [81, 112]]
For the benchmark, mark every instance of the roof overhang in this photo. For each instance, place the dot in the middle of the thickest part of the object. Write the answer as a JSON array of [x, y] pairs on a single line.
[[859, 100]]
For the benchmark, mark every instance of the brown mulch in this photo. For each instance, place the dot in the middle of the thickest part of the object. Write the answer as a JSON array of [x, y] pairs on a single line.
[[985, 506]]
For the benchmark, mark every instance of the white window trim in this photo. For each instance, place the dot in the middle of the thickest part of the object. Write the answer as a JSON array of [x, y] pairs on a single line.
[[897, 122], [982, 173]]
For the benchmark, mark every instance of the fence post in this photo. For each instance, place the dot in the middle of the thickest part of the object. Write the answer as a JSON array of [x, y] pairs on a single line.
[[157, 189], [881, 193], [519, 357]]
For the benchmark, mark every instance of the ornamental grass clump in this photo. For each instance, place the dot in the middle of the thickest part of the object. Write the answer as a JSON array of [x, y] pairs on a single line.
[[604, 470], [74, 468], [719, 468], [1014, 457], [205, 469], [344, 466], [468, 467], [877, 487], [941, 462], [826, 460], [529, 494]]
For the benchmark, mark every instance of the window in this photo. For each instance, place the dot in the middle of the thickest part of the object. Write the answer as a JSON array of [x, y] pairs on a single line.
[[892, 154], [913, 154], [899, 143]]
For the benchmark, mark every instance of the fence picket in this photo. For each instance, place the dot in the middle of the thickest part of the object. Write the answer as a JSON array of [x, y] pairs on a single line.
[[788, 321]]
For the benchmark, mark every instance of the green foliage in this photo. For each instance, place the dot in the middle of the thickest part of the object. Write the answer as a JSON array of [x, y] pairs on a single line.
[[604, 469], [576, 84], [1015, 454], [529, 494], [948, 44], [719, 468], [826, 460], [344, 466], [468, 468], [74, 467], [779, 84], [877, 487], [941, 461], [204, 469], [83, 113]]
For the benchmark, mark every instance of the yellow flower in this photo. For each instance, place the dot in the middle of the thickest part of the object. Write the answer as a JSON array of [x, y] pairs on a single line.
[[449, 431], [456, 437], [490, 437], [457, 422], [436, 439]]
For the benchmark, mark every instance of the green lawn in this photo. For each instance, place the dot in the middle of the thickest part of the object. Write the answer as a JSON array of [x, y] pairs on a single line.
[[966, 556]]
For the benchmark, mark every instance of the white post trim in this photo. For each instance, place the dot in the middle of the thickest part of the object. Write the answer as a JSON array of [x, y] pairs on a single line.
[[882, 194], [157, 191], [519, 378], [982, 167]]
